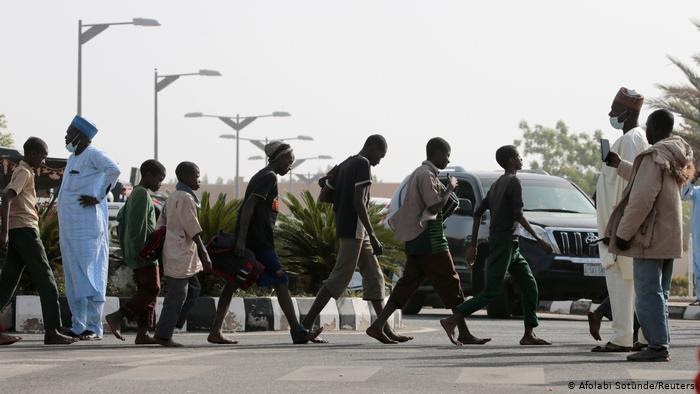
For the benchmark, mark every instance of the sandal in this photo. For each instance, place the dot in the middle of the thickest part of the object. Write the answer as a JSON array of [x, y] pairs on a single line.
[[300, 335], [696, 303], [611, 348]]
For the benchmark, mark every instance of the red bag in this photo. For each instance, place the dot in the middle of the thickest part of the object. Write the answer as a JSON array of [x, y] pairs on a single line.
[[153, 248], [244, 271]]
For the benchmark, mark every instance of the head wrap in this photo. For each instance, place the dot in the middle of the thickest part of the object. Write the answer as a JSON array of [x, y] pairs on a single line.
[[84, 126], [275, 149], [629, 98]]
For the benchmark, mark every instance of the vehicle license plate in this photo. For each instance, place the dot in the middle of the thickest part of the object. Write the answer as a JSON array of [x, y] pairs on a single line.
[[593, 270]]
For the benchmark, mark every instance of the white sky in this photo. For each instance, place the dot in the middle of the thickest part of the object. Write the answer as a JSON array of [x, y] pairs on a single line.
[[466, 71]]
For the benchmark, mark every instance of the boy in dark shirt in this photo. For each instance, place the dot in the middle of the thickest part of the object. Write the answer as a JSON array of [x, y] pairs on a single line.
[[359, 246], [254, 231], [505, 201]]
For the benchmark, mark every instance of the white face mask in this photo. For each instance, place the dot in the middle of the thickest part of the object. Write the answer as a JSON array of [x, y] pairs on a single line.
[[615, 122], [71, 147]]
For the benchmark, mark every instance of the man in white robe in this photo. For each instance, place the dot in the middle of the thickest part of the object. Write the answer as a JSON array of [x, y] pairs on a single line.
[[83, 228], [624, 116]]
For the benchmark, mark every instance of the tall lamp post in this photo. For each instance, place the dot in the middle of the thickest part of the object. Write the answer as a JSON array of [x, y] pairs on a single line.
[[297, 163], [87, 35], [159, 83], [237, 123], [261, 142]]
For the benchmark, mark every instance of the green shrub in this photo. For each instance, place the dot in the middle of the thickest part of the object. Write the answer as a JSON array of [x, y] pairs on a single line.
[[306, 239]]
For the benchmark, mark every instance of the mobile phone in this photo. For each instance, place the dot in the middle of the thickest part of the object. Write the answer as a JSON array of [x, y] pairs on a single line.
[[604, 149]]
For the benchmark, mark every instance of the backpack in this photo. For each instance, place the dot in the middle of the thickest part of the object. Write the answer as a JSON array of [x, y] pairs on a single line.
[[327, 193]]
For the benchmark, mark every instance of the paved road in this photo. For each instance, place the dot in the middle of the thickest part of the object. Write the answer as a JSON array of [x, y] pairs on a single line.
[[353, 363]]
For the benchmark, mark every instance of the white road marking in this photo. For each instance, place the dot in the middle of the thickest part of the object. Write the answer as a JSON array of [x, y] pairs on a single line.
[[161, 372], [9, 371], [331, 374], [502, 375]]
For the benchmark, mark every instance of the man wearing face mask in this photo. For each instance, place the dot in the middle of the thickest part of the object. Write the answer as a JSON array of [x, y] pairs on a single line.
[[624, 116], [84, 232]]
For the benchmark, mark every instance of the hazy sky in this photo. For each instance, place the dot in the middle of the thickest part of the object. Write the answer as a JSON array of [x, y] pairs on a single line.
[[466, 71]]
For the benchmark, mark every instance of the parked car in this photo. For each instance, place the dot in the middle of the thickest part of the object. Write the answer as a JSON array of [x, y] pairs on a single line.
[[559, 211]]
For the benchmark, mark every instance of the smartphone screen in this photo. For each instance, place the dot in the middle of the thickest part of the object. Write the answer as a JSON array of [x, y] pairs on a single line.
[[604, 149]]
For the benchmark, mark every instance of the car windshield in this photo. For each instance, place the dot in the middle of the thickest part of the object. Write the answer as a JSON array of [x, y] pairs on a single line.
[[550, 195]]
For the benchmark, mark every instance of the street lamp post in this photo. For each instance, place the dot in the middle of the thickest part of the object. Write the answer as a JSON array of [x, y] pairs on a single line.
[[237, 123], [297, 163], [92, 31], [159, 83], [261, 142]]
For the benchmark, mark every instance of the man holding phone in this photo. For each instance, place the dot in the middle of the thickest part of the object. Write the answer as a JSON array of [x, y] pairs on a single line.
[[624, 116]]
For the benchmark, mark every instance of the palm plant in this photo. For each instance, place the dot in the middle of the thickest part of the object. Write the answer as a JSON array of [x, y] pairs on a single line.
[[306, 239], [684, 99], [220, 216]]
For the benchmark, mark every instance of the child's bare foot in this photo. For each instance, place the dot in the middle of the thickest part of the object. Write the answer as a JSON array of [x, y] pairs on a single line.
[[594, 325], [379, 335], [53, 337], [469, 339], [533, 340], [8, 339], [167, 342], [219, 339], [145, 339], [114, 321], [449, 326], [395, 336], [314, 336]]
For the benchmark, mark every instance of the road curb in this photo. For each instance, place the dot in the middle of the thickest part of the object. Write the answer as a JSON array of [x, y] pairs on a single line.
[[245, 314], [582, 307]]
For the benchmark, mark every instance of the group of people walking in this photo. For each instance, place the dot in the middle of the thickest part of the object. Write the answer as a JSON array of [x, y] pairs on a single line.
[[638, 201]]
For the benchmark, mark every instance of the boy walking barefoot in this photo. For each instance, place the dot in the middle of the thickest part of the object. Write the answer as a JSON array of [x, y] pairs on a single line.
[[254, 231], [505, 201], [419, 224], [137, 220], [184, 253], [20, 234]]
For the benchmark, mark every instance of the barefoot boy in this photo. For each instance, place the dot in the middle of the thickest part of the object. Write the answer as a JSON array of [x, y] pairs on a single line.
[[419, 224], [137, 220], [505, 201]]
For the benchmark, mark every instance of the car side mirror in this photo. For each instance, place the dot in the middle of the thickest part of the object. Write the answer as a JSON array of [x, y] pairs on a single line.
[[466, 208]]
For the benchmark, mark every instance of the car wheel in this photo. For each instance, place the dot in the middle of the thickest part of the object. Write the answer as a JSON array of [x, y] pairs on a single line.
[[414, 304]]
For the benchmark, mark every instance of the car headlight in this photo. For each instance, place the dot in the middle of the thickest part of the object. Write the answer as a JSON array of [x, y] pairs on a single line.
[[521, 232]]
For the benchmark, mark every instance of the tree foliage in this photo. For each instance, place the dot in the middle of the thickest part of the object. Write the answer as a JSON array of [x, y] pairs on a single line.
[[5, 137], [574, 156], [683, 99]]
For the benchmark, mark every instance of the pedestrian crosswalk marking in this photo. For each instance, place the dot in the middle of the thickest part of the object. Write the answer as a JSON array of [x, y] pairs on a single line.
[[161, 372], [12, 370], [502, 375], [660, 374], [156, 358], [331, 374]]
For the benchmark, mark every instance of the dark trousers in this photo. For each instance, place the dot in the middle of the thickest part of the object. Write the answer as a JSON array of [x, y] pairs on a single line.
[[142, 305], [25, 250], [178, 302], [439, 269], [504, 256]]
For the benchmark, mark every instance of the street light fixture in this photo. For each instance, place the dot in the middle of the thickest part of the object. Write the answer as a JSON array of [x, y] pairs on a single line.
[[261, 142], [301, 161], [92, 31], [237, 123], [160, 82]]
